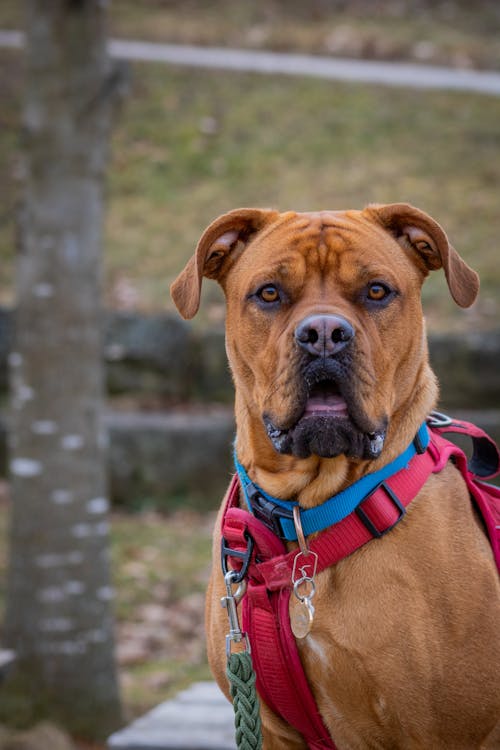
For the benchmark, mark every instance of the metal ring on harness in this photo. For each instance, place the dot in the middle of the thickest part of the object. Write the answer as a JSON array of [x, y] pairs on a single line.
[[438, 419]]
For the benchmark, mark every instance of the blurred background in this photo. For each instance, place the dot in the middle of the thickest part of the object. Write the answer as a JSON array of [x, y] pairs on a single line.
[[188, 143]]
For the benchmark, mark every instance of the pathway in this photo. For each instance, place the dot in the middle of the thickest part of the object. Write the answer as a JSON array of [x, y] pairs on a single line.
[[199, 718], [408, 75]]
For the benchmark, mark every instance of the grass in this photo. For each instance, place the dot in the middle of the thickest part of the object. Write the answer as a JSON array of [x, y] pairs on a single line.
[[161, 566], [193, 144]]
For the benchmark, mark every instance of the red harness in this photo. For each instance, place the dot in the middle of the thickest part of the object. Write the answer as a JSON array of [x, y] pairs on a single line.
[[281, 680]]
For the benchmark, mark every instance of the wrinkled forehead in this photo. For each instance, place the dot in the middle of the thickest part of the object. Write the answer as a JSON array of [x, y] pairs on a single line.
[[325, 242]]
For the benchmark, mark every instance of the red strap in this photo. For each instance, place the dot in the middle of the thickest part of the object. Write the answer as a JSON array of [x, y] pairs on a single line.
[[485, 496], [281, 680], [342, 539], [485, 460]]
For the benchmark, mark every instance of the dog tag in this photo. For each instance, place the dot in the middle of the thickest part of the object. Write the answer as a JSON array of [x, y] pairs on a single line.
[[300, 608], [301, 617]]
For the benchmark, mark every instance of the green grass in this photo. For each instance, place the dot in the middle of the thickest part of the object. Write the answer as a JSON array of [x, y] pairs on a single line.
[[296, 143], [191, 144]]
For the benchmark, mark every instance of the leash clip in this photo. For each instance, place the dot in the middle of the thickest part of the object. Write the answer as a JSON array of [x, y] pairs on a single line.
[[244, 555], [230, 602]]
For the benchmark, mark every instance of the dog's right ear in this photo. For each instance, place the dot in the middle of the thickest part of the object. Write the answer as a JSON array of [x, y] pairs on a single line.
[[217, 243]]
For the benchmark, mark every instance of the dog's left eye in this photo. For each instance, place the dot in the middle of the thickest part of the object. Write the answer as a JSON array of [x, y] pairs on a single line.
[[268, 294], [377, 292]]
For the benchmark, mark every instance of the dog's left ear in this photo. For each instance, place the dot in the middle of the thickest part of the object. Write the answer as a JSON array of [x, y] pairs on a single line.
[[217, 244], [416, 230]]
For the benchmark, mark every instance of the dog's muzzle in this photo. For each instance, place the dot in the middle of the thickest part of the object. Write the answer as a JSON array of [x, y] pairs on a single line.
[[330, 419]]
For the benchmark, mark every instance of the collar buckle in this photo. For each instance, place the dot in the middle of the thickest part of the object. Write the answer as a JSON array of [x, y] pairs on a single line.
[[368, 523], [266, 511]]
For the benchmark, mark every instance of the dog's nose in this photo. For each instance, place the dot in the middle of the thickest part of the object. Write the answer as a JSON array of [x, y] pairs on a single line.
[[324, 335]]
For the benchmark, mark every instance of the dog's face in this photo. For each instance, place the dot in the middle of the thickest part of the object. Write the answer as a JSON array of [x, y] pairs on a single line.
[[325, 333]]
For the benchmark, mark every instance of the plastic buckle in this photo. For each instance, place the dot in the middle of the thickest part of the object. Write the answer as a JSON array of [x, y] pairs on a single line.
[[418, 444], [266, 511], [244, 555], [368, 523]]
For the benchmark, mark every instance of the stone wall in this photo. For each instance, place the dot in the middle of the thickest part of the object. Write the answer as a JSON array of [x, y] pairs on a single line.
[[183, 450]]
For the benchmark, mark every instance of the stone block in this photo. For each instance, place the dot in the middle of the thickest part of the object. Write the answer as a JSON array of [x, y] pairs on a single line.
[[161, 459], [163, 356], [150, 355], [468, 369]]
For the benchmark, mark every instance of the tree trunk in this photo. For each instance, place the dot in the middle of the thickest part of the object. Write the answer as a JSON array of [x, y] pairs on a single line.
[[59, 617]]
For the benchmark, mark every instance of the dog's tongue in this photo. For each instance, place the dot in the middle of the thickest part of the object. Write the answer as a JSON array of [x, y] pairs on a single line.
[[323, 401]]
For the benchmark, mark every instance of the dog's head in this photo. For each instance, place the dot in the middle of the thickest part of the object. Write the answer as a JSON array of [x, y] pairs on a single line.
[[325, 333]]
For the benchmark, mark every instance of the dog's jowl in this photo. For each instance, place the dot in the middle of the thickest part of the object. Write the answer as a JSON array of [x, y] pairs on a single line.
[[372, 602]]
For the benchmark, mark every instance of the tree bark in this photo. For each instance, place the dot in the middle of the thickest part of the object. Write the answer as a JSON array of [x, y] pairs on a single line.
[[59, 618]]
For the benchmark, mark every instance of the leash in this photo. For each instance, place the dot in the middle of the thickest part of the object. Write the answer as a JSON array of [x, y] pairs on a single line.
[[247, 722], [240, 672]]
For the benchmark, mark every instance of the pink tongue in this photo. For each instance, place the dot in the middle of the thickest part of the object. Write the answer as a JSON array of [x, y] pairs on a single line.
[[325, 403]]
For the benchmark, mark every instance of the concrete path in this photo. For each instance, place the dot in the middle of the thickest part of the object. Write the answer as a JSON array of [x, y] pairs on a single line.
[[407, 75], [199, 718]]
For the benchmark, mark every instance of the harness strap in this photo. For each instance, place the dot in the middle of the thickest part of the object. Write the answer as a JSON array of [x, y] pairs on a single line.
[[486, 458], [281, 680], [373, 518]]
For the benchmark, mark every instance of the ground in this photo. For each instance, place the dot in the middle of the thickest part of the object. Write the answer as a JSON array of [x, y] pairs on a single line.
[[161, 566]]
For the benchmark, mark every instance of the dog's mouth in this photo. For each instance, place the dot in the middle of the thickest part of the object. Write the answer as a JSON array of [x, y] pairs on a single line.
[[325, 400], [329, 424]]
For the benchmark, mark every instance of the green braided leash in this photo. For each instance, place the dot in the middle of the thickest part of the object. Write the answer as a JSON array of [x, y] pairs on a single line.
[[245, 701]]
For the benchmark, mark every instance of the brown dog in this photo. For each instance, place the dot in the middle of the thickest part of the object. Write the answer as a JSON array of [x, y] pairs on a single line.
[[327, 346]]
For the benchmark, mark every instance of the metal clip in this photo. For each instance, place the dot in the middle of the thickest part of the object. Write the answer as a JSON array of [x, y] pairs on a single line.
[[438, 419], [230, 602], [306, 597], [244, 555], [304, 587], [305, 561]]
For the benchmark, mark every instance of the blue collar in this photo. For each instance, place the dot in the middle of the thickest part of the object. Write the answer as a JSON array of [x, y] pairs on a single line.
[[277, 514]]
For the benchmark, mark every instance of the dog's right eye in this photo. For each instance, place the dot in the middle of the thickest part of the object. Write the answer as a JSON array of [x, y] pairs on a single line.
[[268, 294]]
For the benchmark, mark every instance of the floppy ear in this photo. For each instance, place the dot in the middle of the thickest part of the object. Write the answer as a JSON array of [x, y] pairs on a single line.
[[416, 231], [217, 242]]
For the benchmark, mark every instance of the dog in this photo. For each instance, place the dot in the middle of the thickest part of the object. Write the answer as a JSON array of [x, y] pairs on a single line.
[[326, 342]]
